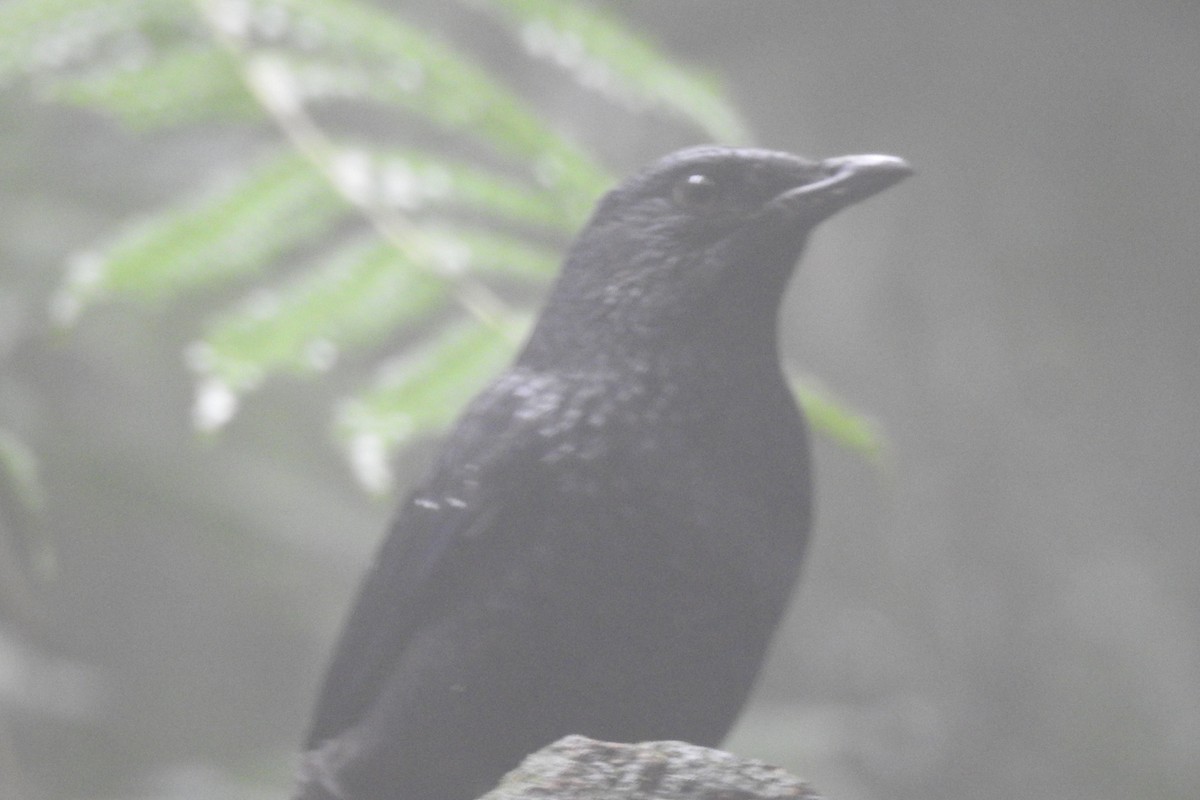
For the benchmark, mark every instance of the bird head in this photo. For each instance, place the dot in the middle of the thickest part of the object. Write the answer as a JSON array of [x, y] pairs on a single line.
[[701, 241]]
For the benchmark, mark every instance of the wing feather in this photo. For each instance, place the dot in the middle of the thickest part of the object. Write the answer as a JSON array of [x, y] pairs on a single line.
[[478, 497]]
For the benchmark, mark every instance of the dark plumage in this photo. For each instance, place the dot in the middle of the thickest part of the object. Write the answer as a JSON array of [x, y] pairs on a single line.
[[611, 532]]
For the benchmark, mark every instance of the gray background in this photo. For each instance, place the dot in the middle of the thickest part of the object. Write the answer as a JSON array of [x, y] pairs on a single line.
[[1007, 608]]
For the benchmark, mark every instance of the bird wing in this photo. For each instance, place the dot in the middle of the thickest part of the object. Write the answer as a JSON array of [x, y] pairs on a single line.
[[481, 492]]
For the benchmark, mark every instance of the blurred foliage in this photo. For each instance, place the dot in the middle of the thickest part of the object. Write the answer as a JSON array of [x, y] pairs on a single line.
[[826, 413], [341, 242], [19, 471], [24, 557]]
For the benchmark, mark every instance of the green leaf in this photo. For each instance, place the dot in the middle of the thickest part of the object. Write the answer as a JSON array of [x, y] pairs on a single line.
[[443, 181], [408, 67], [182, 85], [38, 36], [605, 56], [834, 419], [366, 289], [421, 394], [411, 182], [489, 253], [240, 228]]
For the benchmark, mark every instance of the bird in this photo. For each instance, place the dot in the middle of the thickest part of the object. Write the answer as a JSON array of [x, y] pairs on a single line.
[[610, 533]]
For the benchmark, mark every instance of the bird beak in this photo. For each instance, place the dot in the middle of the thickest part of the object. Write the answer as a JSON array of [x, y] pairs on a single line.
[[847, 180]]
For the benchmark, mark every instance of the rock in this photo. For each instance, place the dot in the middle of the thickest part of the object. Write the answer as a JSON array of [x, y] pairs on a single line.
[[578, 768]]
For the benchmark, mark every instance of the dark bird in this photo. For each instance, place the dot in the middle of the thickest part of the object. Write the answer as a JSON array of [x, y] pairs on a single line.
[[610, 533]]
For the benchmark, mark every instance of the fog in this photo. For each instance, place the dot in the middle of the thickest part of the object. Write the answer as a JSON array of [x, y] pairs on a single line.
[[1006, 606]]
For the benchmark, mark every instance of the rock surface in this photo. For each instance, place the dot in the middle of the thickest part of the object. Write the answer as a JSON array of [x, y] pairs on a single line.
[[578, 768]]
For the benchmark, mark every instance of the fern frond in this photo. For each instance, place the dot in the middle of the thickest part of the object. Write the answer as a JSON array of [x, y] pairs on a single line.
[[196, 82], [364, 290], [412, 182], [49, 36], [487, 253], [413, 70], [421, 394], [237, 229]]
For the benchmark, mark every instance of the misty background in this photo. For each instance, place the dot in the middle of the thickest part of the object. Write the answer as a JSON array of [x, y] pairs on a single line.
[[1008, 606]]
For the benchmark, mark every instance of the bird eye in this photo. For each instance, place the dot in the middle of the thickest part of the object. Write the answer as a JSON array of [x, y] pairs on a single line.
[[695, 191]]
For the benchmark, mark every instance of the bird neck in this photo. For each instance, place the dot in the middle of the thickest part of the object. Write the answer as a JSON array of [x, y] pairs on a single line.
[[680, 318], [726, 345]]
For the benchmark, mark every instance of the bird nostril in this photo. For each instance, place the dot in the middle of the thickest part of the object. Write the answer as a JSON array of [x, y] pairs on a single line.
[[831, 167]]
